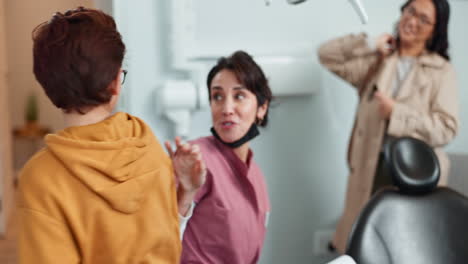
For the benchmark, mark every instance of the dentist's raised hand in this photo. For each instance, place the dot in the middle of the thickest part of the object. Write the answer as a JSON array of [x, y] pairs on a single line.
[[189, 170]]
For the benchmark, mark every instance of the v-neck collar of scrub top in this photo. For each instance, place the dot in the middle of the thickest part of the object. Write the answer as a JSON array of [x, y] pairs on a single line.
[[234, 160]]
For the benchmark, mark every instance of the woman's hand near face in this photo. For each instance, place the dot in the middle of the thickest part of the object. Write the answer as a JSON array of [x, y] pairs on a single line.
[[385, 44], [189, 170], [385, 105]]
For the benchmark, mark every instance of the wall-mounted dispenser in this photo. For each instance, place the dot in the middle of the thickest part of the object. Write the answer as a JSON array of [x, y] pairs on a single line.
[[290, 75], [178, 98]]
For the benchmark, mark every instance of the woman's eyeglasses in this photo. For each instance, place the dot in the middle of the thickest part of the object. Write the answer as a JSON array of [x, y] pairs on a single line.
[[421, 18]]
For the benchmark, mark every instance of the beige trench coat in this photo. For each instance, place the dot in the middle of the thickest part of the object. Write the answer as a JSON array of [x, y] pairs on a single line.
[[426, 108]]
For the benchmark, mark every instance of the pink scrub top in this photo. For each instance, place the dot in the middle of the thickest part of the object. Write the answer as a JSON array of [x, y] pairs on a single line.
[[229, 221]]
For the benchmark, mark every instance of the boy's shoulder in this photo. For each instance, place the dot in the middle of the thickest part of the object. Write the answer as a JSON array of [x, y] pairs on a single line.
[[43, 159], [38, 173]]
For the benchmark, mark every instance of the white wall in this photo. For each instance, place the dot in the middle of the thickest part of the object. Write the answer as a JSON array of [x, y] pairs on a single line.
[[459, 54], [302, 152]]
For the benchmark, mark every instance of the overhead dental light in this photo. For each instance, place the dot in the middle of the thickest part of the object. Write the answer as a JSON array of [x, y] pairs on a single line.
[[294, 2], [357, 5]]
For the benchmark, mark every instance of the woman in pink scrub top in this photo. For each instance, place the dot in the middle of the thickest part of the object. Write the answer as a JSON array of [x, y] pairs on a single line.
[[230, 209]]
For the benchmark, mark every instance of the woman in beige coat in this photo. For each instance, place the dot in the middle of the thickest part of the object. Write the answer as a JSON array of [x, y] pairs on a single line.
[[406, 87]]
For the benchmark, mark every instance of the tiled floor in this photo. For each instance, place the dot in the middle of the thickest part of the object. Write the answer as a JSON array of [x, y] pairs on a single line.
[[8, 244]]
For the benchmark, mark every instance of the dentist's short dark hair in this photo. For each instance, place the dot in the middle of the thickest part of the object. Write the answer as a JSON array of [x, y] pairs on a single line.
[[249, 74]]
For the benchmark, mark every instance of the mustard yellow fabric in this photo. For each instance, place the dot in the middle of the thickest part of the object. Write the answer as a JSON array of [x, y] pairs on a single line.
[[102, 193]]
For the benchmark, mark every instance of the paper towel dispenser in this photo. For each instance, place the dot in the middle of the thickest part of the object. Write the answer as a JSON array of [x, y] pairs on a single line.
[[290, 75], [176, 100]]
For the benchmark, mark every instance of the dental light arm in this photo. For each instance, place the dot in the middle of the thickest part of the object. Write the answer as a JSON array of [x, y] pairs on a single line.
[[357, 5], [359, 8]]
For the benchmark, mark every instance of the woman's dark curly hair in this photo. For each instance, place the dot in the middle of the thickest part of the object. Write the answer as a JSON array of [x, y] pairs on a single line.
[[439, 41]]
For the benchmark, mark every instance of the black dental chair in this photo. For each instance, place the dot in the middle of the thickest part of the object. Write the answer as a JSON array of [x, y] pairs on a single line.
[[415, 222]]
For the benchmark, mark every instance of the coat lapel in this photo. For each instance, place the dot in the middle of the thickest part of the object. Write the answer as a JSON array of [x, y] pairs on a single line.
[[385, 79], [419, 76]]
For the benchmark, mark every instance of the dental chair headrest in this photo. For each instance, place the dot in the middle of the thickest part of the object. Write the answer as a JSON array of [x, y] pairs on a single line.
[[415, 167]]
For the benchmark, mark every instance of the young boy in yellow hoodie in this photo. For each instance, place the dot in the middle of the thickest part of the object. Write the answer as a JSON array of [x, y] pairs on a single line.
[[103, 189]]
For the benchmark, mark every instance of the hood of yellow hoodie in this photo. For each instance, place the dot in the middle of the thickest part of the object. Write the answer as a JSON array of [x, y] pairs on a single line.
[[116, 158]]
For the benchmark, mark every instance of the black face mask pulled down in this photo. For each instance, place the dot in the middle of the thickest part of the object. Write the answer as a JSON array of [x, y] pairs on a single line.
[[252, 133]]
